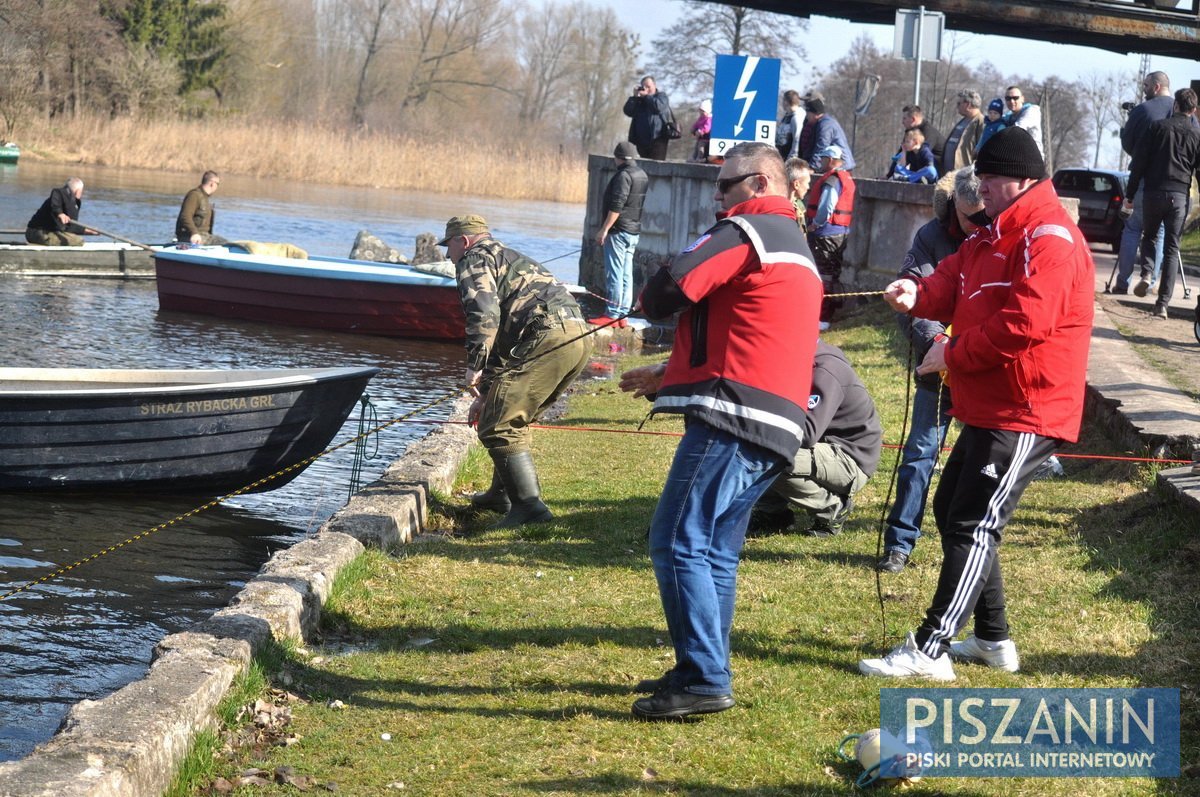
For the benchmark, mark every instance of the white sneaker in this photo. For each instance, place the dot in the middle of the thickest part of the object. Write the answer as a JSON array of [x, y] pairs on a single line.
[[1001, 655], [1142, 287], [822, 326], [907, 660]]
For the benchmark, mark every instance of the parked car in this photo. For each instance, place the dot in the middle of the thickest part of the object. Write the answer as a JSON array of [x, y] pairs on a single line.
[[1100, 193]]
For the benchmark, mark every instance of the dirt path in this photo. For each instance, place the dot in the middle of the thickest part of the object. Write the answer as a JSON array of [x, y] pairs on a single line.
[[1169, 346]]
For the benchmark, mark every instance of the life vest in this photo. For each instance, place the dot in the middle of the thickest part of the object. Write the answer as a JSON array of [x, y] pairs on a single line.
[[844, 208]]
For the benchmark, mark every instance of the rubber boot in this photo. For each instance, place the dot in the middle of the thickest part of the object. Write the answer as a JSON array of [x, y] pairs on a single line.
[[493, 498], [521, 484]]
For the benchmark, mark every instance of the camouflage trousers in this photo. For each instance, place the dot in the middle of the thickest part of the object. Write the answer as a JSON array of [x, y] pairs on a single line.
[[529, 380], [52, 237]]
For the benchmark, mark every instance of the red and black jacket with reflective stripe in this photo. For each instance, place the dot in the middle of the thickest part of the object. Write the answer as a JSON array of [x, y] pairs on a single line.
[[744, 345]]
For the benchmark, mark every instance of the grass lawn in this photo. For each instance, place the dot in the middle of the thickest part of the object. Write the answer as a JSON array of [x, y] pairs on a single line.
[[502, 662], [1189, 247]]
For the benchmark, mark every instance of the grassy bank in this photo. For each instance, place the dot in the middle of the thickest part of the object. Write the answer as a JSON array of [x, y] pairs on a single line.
[[313, 154], [485, 663]]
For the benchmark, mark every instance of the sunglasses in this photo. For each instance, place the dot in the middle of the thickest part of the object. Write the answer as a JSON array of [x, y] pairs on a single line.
[[723, 185], [1010, 99]]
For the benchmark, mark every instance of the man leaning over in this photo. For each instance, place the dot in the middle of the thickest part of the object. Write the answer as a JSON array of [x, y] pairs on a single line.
[[56, 222], [750, 297], [526, 343]]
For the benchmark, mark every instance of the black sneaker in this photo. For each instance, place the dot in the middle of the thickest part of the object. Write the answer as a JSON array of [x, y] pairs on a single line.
[[674, 704], [1160, 310], [892, 562], [649, 686]]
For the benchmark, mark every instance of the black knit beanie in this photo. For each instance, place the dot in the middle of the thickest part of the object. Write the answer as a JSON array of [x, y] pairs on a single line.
[[1011, 152]]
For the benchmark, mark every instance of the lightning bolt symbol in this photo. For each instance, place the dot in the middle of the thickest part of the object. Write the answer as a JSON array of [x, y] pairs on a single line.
[[747, 97]]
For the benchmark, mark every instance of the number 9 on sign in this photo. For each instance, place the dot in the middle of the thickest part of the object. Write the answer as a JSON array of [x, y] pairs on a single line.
[[765, 131]]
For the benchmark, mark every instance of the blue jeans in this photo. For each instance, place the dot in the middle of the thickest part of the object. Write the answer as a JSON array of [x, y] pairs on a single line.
[[696, 539], [925, 436], [1131, 240], [618, 272]]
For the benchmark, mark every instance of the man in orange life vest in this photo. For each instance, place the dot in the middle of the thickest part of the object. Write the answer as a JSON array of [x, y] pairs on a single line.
[[829, 206]]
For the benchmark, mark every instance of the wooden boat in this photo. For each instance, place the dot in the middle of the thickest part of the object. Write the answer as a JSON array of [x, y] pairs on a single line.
[[178, 432], [321, 292], [9, 152], [93, 259]]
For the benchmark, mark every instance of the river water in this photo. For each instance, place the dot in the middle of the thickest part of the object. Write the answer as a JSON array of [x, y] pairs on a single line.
[[82, 635]]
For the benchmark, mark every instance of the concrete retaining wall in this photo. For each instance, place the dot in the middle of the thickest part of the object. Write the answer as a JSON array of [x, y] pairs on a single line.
[[130, 743], [679, 207]]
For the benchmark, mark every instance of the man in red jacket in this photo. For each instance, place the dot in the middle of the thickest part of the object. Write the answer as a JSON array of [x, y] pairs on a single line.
[[739, 372], [1019, 294]]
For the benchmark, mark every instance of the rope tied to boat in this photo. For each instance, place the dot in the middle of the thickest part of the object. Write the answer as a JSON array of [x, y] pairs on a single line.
[[368, 417]]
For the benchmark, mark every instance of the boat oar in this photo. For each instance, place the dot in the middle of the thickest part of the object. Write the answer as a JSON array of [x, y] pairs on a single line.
[[99, 231]]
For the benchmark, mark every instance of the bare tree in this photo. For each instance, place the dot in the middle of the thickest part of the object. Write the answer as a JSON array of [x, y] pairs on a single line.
[[544, 50], [19, 97], [138, 82], [375, 29], [683, 57], [450, 42], [1101, 93], [605, 52]]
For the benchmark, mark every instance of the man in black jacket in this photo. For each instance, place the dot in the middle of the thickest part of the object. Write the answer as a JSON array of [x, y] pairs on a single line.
[[1158, 105], [649, 111], [839, 453], [619, 233], [1167, 157], [55, 222]]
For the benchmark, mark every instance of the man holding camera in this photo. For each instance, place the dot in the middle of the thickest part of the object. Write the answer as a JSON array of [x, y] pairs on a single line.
[[649, 112]]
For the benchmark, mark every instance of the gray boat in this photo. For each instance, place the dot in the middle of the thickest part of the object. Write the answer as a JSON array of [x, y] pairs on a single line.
[[109, 259], [200, 432]]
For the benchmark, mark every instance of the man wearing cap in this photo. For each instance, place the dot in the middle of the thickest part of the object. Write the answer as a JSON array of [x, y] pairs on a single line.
[[1019, 294], [526, 343], [828, 213], [826, 132], [619, 233], [739, 371]]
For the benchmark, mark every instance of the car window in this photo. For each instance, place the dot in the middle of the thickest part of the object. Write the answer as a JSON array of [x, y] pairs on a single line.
[[1068, 180]]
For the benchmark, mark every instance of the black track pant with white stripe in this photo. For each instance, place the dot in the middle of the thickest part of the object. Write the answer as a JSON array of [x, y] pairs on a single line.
[[981, 484]]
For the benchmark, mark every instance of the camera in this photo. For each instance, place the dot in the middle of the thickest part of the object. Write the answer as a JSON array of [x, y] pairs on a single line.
[[1128, 106]]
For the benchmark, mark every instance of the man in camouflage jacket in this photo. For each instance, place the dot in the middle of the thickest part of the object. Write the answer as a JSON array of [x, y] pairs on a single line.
[[525, 341]]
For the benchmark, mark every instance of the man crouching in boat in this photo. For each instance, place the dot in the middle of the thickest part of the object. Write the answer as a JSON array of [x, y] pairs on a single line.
[[196, 214], [55, 223], [525, 344]]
